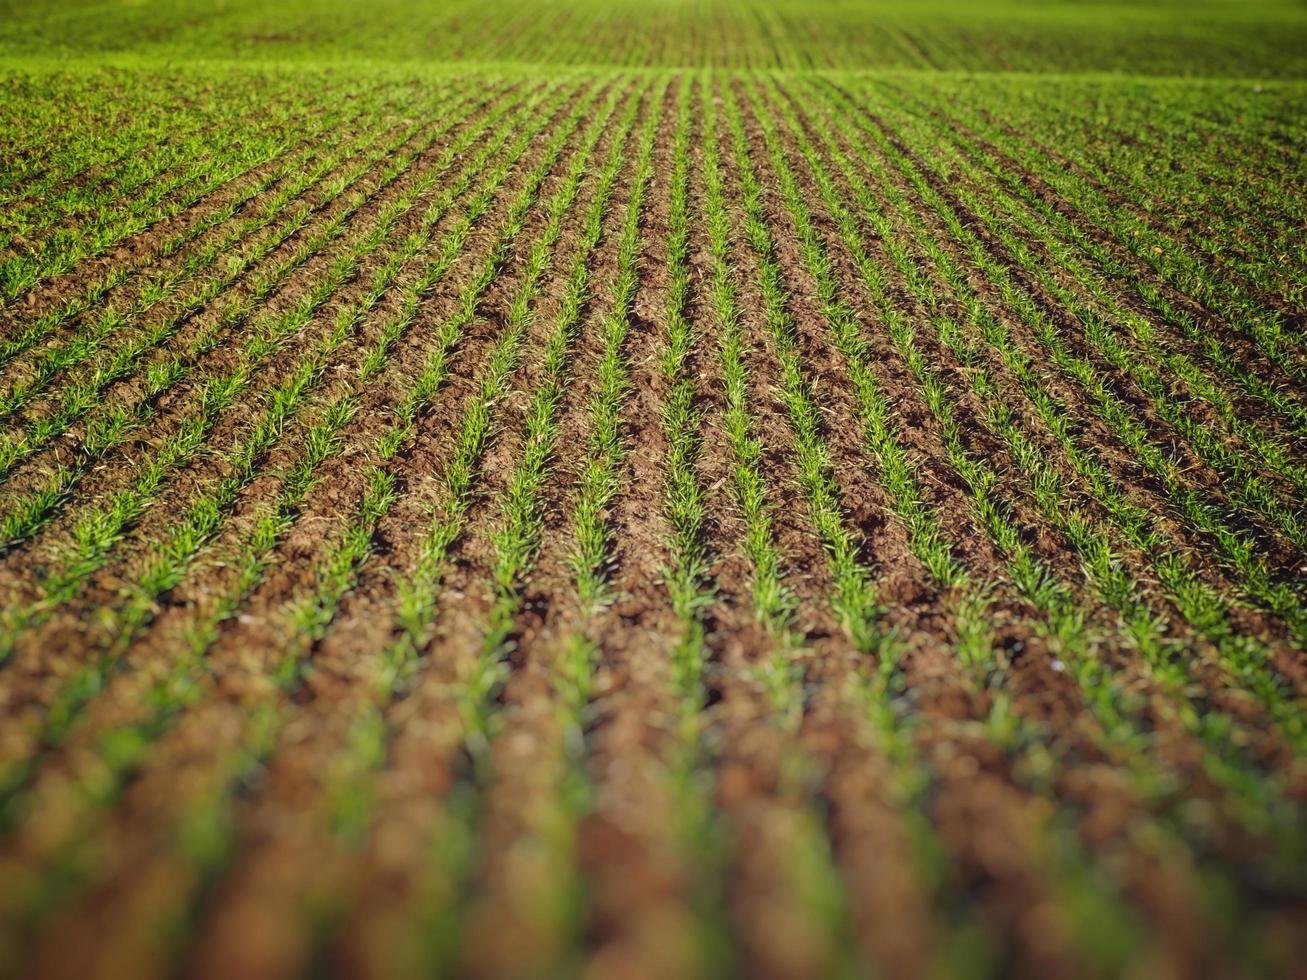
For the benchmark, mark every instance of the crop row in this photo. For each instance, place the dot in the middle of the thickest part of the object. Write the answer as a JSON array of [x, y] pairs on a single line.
[[805, 448]]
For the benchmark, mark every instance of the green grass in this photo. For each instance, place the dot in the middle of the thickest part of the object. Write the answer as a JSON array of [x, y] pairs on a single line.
[[1254, 37]]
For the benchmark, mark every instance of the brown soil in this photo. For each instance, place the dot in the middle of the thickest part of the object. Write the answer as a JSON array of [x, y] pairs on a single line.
[[805, 808]]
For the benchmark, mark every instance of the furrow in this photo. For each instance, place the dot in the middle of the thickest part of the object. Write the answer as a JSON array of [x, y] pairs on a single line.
[[262, 714], [164, 569], [1242, 656], [82, 393], [105, 288], [96, 533]]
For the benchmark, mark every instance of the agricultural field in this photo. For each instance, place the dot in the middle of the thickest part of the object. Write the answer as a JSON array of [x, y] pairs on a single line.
[[684, 488]]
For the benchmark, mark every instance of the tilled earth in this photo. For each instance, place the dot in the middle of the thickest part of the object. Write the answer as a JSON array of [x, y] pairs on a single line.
[[654, 524]]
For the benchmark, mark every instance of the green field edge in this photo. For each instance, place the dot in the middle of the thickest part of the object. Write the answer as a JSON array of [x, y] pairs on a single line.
[[407, 68]]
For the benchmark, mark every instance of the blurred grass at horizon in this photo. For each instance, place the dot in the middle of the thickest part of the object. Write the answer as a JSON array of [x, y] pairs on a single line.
[[1234, 38]]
